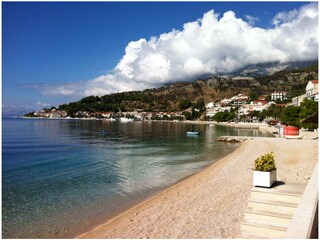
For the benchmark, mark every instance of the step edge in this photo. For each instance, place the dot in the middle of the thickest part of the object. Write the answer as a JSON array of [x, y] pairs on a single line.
[[258, 235], [278, 193], [279, 203], [280, 229], [276, 214]]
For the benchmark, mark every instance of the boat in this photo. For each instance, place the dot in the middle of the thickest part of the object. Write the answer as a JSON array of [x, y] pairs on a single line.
[[124, 119], [193, 133]]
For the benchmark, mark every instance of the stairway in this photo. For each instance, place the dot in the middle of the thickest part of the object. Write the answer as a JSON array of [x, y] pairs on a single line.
[[270, 210]]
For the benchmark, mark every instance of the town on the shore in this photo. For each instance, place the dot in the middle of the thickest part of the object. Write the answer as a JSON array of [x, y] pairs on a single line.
[[238, 108]]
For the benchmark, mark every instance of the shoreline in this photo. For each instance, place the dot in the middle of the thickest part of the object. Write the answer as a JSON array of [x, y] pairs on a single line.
[[172, 187], [209, 204]]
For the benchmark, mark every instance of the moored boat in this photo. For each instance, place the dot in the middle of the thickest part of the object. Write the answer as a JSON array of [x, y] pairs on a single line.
[[193, 133]]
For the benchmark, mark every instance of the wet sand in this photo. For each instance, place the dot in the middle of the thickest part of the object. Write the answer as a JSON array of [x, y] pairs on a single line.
[[211, 203]]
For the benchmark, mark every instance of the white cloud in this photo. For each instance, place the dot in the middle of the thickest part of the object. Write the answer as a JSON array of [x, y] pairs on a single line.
[[42, 104], [252, 20], [210, 44]]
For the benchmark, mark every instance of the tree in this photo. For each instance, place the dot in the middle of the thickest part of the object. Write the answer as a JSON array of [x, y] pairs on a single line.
[[309, 114], [184, 104], [224, 116], [291, 116]]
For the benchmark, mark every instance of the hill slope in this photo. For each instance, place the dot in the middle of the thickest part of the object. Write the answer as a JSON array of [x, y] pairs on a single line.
[[209, 89]]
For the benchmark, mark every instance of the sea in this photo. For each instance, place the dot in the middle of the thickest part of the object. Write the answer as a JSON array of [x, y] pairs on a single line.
[[61, 178]]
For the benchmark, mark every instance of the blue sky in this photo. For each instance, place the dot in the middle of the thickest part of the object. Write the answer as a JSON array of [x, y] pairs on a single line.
[[48, 45]]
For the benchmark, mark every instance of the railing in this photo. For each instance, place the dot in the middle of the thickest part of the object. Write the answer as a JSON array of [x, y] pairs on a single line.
[[304, 224]]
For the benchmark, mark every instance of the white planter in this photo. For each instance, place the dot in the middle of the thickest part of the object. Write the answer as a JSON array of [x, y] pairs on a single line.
[[264, 179]]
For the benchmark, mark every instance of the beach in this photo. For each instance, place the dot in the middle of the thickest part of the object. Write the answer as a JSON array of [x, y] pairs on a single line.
[[211, 203]]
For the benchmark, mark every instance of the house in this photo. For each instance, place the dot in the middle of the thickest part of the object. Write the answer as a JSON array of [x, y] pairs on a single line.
[[214, 110], [240, 99], [225, 101], [263, 97], [312, 90], [210, 105], [256, 105], [278, 96], [311, 93]]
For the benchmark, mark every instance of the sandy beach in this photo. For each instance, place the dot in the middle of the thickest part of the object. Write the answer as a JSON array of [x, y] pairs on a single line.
[[211, 203]]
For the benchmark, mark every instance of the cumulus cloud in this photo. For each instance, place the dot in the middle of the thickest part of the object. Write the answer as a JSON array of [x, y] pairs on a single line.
[[252, 20], [212, 44]]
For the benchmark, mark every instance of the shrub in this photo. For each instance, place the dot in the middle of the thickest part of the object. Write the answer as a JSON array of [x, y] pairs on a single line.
[[265, 163]]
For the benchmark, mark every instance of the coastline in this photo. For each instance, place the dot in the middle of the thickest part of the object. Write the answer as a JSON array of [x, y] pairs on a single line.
[[211, 203]]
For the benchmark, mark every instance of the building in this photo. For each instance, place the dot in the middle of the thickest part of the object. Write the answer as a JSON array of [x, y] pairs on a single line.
[[296, 101], [210, 105], [278, 96], [214, 110], [225, 101], [311, 93], [312, 90], [263, 97], [257, 105], [240, 99]]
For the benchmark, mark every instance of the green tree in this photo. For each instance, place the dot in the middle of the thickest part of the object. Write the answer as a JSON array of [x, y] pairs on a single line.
[[291, 116], [187, 115], [224, 116], [309, 114], [184, 104]]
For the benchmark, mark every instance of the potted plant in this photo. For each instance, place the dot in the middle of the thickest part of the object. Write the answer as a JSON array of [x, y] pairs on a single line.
[[264, 174]]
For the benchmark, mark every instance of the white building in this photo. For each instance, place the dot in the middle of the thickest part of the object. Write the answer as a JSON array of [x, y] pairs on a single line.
[[240, 99], [210, 105], [257, 105], [312, 90], [278, 96], [214, 110], [225, 101], [296, 101]]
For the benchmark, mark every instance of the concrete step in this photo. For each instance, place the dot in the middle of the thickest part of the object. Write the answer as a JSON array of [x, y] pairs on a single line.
[[294, 189], [268, 216], [264, 221], [276, 196], [251, 235], [259, 227], [271, 205]]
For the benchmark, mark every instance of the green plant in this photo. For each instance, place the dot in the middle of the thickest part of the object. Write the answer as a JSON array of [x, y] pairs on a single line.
[[265, 163]]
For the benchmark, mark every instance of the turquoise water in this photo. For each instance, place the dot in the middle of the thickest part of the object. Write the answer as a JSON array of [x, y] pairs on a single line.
[[62, 177]]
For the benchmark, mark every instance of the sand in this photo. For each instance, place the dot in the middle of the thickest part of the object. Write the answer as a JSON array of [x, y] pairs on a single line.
[[211, 203]]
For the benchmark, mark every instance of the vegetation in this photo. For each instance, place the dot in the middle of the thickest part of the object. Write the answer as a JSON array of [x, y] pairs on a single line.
[[265, 163], [295, 116], [224, 116]]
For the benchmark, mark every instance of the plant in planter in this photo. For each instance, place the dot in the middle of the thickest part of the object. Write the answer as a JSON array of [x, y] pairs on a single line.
[[264, 174]]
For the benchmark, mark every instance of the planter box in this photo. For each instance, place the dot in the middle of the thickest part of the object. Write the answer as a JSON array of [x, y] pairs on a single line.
[[264, 179]]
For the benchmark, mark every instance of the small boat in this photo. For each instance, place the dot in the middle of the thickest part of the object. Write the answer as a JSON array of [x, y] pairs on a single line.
[[193, 133], [124, 119]]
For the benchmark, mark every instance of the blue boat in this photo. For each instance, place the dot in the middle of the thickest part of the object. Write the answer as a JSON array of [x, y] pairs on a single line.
[[193, 133]]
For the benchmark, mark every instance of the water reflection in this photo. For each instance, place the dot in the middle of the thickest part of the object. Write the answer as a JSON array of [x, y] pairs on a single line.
[[74, 173]]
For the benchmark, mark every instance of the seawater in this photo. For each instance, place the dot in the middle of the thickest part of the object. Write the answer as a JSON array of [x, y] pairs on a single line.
[[63, 177]]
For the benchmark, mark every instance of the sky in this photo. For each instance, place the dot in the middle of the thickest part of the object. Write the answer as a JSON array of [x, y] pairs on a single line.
[[55, 52]]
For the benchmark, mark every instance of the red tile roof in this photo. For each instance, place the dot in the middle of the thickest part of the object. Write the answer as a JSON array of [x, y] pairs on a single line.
[[314, 81]]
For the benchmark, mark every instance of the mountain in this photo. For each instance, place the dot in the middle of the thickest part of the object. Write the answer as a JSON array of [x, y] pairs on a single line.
[[257, 70], [207, 89], [14, 111]]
